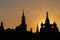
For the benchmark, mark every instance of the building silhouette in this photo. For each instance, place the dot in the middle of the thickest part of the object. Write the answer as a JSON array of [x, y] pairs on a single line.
[[47, 27]]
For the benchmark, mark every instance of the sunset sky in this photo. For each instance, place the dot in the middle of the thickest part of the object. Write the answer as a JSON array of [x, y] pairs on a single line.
[[35, 11]]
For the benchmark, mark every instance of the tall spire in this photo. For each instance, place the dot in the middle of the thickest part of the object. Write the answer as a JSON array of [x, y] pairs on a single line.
[[23, 18], [37, 30], [47, 19], [23, 13], [47, 14], [23, 23]]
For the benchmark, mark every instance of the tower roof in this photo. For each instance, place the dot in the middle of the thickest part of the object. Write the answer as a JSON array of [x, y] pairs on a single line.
[[47, 19], [54, 23]]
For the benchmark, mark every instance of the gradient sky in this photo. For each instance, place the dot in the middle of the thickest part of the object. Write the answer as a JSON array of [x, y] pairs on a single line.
[[35, 11]]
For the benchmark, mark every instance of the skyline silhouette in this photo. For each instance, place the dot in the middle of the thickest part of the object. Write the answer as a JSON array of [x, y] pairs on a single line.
[[48, 31], [11, 12], [43, 25], [29, 19]]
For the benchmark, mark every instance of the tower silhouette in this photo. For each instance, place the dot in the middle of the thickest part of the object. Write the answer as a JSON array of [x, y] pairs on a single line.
[[1, 27], [23, 23], [54, 27], [22, 27], [47, 27], [23, 19]]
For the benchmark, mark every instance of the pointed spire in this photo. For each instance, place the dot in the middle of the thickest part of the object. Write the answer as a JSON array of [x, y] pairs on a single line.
[[37, 30], [23, 12], [23, 18], [54, 23], [47, 14], [37, 24], [31, 30], [47, 19]]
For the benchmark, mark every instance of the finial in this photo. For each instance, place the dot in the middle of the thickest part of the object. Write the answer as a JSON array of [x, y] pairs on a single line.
[[23, 11], [47, 14]]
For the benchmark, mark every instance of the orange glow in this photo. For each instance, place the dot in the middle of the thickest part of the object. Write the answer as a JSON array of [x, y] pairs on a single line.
[[35, 10]]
